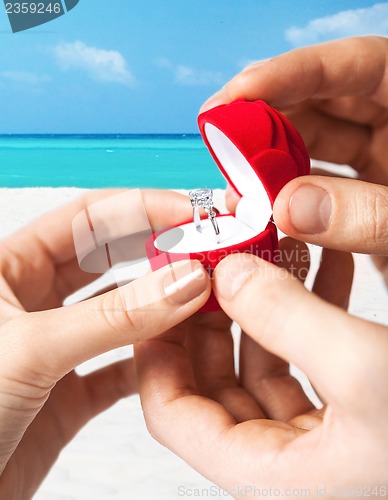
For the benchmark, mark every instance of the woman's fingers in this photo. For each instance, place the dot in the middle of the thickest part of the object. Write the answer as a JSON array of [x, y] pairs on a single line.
[[286, 325], [309, 72], [142, 309], [341, 214], [100, 222], [49, 344], [53, 231], [48, 243]]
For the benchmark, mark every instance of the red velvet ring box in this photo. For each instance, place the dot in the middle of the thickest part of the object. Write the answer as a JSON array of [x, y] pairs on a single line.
[[258, 151]]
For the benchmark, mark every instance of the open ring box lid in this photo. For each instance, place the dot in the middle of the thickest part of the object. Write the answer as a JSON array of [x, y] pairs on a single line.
[[258, 151]]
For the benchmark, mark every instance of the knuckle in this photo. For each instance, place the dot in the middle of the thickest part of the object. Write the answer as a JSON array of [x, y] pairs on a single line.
[[27, 377], [381, 215], [121, 313], [375, 223], [239, 86]]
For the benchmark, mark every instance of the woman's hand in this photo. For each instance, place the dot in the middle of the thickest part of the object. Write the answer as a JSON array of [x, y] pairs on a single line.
[[43, 403]]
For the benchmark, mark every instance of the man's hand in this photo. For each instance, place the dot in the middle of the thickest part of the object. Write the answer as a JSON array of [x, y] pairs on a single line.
[[336, 94], [257, 430]]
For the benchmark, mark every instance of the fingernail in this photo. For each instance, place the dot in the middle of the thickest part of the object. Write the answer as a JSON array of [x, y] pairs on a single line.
[[213, 101], [230, 276], [184, 282], [310, 209]]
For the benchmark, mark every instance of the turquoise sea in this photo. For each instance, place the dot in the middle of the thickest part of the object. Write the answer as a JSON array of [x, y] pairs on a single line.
[[93, 161]]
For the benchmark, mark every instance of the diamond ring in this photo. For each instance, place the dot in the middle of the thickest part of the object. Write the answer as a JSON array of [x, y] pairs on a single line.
[[204, 198]]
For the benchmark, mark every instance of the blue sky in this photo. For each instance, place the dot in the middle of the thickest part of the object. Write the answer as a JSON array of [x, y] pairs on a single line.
[[136, 66]]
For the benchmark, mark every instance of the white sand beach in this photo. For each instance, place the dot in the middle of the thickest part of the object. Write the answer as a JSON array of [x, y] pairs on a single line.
[[114, 457]]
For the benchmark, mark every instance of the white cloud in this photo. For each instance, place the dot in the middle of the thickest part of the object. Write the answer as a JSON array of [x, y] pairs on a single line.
[[24, 77], [366, 21], [100, 64], [189, 76]]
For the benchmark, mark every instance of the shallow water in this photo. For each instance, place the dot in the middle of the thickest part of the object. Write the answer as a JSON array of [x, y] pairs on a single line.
[[159, 161]]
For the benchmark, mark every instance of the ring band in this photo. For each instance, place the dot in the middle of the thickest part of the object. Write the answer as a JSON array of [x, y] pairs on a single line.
[[203, 197]]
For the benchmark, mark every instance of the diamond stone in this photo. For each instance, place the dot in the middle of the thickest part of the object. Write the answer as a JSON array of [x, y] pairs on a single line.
[[202, 197]]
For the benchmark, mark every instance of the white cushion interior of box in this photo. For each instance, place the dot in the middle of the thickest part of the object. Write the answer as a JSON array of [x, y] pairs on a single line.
[[253, 211], [232, 231]]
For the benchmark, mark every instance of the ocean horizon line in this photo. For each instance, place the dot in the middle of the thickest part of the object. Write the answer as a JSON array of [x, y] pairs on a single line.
[[101, 135]]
